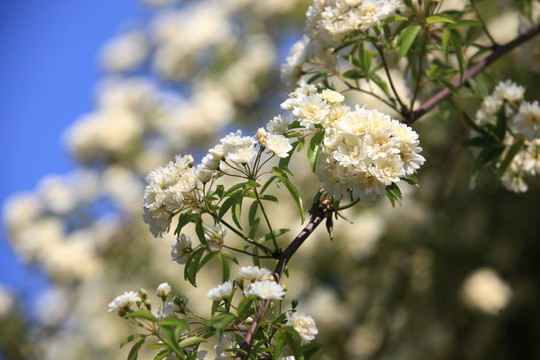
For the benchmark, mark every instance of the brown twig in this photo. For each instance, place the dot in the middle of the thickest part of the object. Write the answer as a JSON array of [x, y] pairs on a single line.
[[319, 212], [472, 72]]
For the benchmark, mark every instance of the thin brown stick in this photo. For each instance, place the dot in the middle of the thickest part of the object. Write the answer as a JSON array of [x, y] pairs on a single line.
[[319, 213], [472, 72]]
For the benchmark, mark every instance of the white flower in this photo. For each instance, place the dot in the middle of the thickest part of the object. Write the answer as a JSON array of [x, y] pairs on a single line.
[[527, 120], [169, 188], [509, 91], [279, 145], [210, 162], [204, 174], [304, 325], [224, 350], [181, 249], [484, 290], [167, 311], [163, 289], [239, 149], [125, 52], [265, 289], [214, 234], [221, 292], [253, 273], [124, 301], [311, 110], [332, 96], [278, 125]]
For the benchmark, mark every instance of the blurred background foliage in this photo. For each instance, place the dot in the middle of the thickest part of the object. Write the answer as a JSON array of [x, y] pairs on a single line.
[[453, 273]]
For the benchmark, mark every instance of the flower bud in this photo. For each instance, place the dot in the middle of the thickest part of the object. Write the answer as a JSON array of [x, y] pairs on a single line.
[[163, 290]]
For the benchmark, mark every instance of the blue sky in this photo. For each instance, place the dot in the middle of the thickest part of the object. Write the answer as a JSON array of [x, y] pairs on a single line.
[[48, 67]]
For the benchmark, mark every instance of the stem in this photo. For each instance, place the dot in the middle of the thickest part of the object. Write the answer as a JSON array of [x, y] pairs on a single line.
[[484, 27], [245, 238], [385, 65], [266, 218], [246, 252], [319, 213], [472, 72]]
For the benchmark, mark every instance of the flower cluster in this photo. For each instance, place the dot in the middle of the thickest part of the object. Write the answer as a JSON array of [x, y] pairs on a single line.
[[523, 124], [255, 281], [170, 188], [328, 23], [363, 151]]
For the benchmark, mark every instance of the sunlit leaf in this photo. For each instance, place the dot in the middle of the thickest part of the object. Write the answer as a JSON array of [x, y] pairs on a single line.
[[407, 39]]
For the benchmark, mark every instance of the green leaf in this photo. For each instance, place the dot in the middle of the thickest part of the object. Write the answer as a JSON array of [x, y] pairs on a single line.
[[255, 259], [440, 18], [176, 322], [199, 230], [207, 258], [244, 306], [267, 183], [227, 204], [500, 129], [226, 318], [407, 39], [269, 236], [458, 50], [281, 174], [130, 338], [158, 346], [354, 74], [142, 314], [183, 219], [465, 22], [192, 266], [510, 154], [293, 344], [220, 191], [191, 341], [254, 227], [380, 83], [237, 210], [444, 43], [252, 212], [474, 125], [251, 185], [313, 149], [394, 194], [134, 352], [162, 354], [170, 337], [279, 342], [310, 349], [485, 156], [224, 267], [229, 256], [480, 141]]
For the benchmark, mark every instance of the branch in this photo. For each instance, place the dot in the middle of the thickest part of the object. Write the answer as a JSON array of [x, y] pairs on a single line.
[[472, 72], [319, 212]]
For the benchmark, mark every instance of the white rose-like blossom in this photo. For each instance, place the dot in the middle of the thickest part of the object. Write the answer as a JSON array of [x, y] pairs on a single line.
[[303, 324], [181, 249], [279, 145], [266, 289], [278, 125], [221, 292], [124, 301], [163, 289], [253, 273]]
